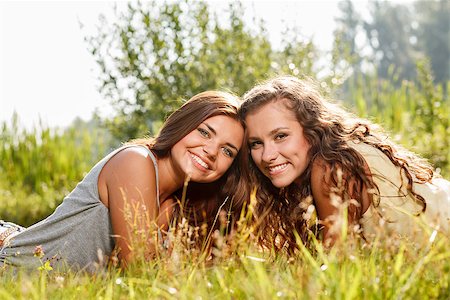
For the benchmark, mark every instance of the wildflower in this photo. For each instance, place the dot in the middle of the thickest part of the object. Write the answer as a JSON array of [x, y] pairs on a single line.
[[38, 252]]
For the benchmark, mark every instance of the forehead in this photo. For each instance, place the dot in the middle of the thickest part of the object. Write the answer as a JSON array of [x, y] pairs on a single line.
[[227, 128], [271, 116], [223, 120], [277, 110]]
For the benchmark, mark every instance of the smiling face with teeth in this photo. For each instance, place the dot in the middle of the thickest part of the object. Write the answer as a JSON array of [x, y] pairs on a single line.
[[277, 144], [206, 153]]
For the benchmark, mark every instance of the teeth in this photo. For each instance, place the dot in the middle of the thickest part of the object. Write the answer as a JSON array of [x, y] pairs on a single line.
[[277, 168], [200, 161]]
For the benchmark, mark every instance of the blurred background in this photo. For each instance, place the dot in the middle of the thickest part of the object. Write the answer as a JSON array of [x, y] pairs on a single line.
[[79, 78]]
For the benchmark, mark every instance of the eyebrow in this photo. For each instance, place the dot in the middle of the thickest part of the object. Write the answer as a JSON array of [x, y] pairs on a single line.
[[272, 132], [215, 133], [210, 128]]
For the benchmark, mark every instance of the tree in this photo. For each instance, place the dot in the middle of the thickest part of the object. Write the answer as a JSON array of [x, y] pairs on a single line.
[[389, 32], [346, 54], [432, 31], [156, 53]]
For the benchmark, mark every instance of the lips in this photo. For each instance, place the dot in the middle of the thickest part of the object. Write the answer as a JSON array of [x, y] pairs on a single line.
[[277, 169], [198, 162]]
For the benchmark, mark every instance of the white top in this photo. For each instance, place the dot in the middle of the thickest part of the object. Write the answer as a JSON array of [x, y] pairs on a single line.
[[395, 211]]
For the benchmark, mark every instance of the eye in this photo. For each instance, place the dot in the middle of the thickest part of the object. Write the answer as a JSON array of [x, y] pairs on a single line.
[[228, 152], [203, 132], [280, 136], [254, 144]]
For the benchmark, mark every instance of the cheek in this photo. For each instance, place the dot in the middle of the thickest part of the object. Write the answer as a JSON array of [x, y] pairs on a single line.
[[306, 148], [174, 149], [254, 155], [181, 143], [256, 159], [224, 166]]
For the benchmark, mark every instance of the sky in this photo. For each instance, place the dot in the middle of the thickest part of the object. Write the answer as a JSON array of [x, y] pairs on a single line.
[[47, 74]]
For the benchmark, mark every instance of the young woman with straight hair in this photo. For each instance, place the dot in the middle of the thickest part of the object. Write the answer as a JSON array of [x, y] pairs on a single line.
[[130, 195]]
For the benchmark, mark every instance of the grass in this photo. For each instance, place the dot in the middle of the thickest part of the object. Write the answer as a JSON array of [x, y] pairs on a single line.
[[381, 271], [38, 167]]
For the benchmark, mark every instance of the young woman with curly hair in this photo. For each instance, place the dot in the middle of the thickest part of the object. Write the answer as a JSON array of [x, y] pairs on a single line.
[[307, 152]]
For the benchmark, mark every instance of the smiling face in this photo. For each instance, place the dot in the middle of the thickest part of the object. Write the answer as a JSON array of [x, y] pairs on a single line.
[[206, 153], [277, 144]]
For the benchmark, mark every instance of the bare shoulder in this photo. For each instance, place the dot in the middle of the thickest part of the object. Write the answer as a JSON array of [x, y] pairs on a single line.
[[131, 158], [324, 177], [320, 173], [131, 166], [132, 153]]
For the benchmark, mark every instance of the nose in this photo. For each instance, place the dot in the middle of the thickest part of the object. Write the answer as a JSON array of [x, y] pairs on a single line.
[[269, 153], [211, 149]]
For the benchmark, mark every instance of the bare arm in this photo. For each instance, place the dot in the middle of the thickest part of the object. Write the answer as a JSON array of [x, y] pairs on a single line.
[[129, 191], [330, 200], [320, 187]]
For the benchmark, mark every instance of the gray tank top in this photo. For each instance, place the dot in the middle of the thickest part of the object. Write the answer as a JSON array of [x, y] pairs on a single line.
[[78, 235]]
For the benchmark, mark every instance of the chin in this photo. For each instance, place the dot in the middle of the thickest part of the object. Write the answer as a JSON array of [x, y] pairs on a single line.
[[281, 183], [202, 179]]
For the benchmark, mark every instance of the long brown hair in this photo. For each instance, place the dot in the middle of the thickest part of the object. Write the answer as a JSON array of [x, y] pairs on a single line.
[[204, 200], [328, 128]]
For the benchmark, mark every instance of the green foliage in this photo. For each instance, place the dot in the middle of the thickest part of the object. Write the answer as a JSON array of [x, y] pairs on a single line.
[[388, 33], [433, 34], [39, 166], [417, 115], [387, 269], [393, 38], [345, 54], [151, 56], [155, 53]]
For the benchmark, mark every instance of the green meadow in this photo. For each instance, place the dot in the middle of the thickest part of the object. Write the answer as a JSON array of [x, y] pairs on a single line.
[[40, 166], [384, 271]]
